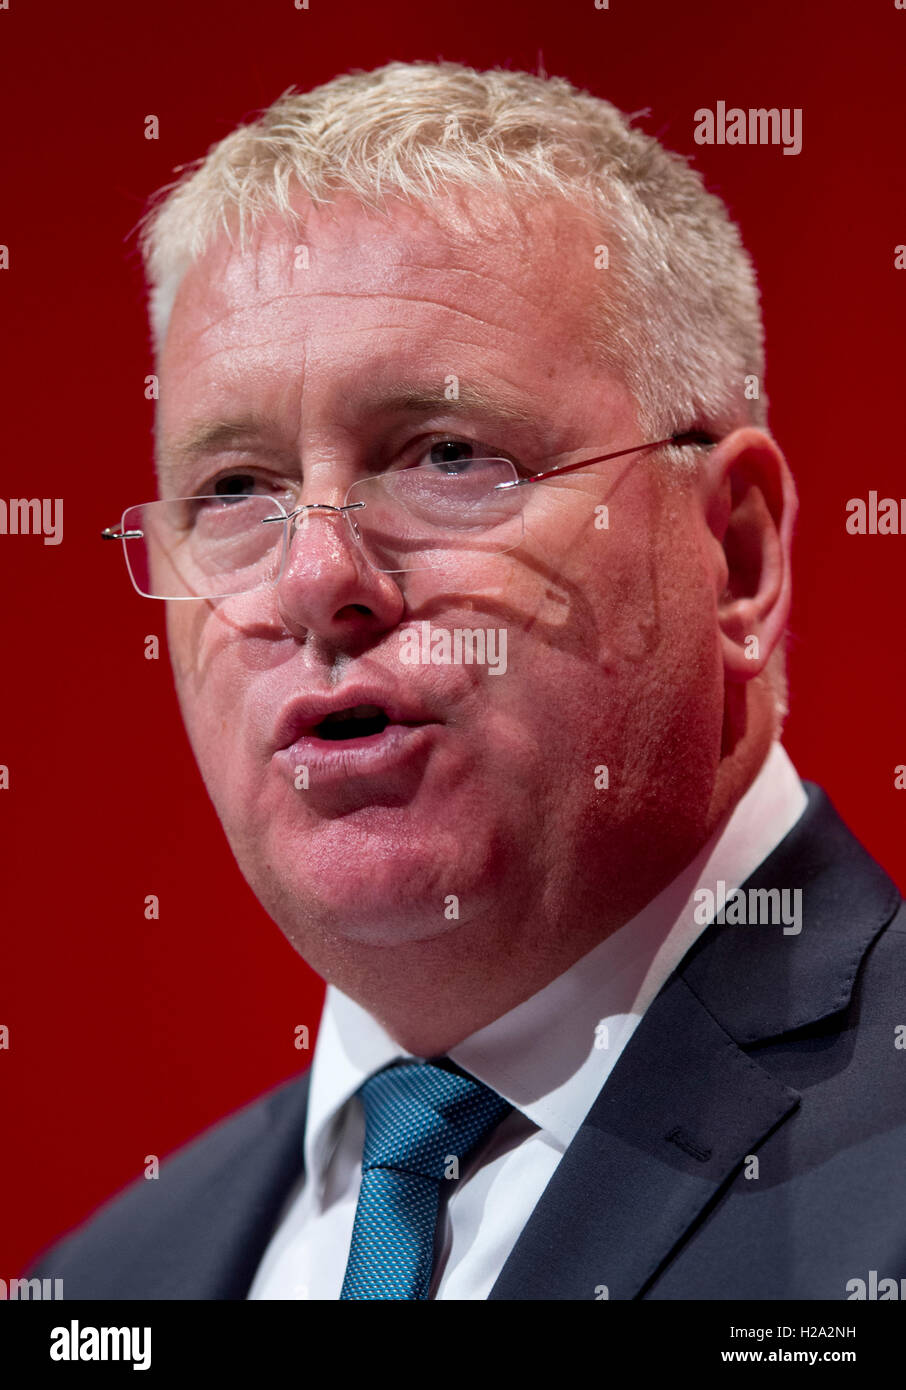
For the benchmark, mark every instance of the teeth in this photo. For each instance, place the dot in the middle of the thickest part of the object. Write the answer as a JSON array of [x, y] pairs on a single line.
[[357, 712]]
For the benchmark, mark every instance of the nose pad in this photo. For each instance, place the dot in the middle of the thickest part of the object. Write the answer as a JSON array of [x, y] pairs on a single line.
[[305, 516]]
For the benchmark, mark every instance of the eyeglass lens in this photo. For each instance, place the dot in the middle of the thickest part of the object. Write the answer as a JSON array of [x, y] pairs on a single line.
[[412, 519]]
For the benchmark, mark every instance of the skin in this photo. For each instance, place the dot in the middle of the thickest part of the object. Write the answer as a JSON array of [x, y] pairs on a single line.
[[626, 645]]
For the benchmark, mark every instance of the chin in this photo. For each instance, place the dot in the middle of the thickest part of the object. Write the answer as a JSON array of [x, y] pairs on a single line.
[[369, 883], [380, 932], [332, 912]]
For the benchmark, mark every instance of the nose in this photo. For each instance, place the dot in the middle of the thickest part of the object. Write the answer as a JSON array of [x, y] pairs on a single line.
[[327, 586]]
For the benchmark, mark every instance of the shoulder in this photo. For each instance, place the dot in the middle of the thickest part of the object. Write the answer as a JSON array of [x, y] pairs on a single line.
[[187, 1233]]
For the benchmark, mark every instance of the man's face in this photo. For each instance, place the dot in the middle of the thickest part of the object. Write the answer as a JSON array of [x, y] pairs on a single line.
[[486, 787]]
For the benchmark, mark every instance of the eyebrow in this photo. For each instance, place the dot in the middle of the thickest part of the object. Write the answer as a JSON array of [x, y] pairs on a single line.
[[419, 400], [210, 436]]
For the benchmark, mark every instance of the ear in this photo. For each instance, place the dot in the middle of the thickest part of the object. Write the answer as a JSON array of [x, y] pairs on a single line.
[[750, 506]]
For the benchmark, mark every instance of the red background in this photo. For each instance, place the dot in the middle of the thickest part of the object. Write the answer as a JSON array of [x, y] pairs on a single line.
[[129, 1036]]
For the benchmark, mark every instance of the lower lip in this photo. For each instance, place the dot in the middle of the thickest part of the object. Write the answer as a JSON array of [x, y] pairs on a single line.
[[335, 762]]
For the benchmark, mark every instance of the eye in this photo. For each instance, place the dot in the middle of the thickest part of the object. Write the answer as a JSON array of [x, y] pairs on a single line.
[[233, 485], [242, 485], [213, 497], [454, 455]]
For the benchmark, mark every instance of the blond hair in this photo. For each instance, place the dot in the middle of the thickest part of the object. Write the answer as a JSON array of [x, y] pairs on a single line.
[[682, 323]]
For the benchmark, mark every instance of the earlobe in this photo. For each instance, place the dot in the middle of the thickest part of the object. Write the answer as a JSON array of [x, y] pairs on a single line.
[[751, 514]]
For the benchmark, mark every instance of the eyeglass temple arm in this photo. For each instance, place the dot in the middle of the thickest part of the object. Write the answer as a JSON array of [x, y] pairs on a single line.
[[689, 437], [111, 533]]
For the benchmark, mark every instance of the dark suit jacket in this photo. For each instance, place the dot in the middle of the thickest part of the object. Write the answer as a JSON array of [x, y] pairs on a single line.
[[761, 1044]]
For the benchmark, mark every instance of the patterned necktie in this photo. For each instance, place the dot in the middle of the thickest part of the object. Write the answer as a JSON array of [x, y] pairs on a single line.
[[422, 1121]]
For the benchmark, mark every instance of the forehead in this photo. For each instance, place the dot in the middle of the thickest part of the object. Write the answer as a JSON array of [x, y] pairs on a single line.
[[492, 262], [317, 321]]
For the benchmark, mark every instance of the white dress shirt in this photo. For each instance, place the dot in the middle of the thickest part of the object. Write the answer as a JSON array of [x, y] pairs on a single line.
[[549, 1057]]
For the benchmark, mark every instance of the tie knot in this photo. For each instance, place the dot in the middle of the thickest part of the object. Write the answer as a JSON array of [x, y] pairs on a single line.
[[419, 1115]]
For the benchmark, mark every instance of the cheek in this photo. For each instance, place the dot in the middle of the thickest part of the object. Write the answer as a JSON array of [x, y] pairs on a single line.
[[646, 584], [594, 595], [185, 626], [627, 618], [210, 679]]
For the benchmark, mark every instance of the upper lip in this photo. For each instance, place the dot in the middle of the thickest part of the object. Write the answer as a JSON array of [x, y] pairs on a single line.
[[304, 713]]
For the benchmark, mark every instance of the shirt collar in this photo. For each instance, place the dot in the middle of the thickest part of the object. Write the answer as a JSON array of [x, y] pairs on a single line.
[[551, 1054]]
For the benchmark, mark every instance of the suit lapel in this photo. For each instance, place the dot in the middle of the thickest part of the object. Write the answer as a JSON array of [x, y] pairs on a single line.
[[685, 1104], [681, 1110]]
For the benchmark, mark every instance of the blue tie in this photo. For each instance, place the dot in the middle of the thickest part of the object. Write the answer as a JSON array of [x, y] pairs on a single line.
[[419, 1117]]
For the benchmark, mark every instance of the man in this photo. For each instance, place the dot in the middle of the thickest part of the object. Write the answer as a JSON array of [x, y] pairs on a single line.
[[613, 997]]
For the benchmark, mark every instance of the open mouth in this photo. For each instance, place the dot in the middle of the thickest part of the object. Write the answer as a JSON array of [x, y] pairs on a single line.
[[361, 721], [371, 736]]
